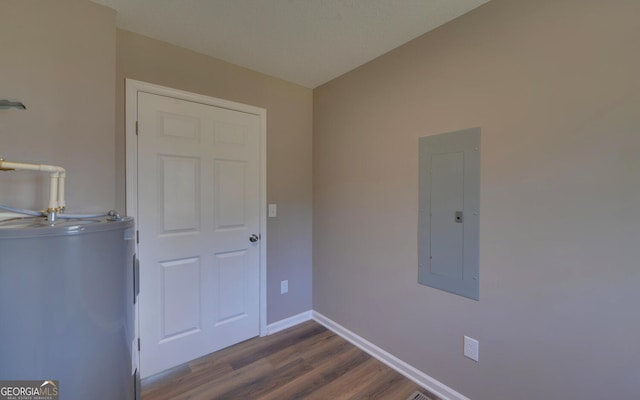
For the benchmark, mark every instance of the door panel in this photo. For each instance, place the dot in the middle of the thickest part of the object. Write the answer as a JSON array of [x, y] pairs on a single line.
[[179, 193], [198, 195], [446, 198], [180, 297], [229, 186], [232, 286]]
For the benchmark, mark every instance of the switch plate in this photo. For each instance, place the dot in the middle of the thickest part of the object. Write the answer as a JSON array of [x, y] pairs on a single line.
[[284, 286], [273, 210], [471, 348]]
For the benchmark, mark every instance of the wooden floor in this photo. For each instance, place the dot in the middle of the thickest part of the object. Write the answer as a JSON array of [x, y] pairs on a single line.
[[304, 362]]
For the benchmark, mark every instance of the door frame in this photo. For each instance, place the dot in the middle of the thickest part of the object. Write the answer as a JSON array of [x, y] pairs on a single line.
[[132, 88]]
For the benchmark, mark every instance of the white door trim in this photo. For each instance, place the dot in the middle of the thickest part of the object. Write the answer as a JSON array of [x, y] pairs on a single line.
[[131, 108]]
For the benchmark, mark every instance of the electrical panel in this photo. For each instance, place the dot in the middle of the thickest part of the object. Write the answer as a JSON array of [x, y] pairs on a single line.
[[449, 212]]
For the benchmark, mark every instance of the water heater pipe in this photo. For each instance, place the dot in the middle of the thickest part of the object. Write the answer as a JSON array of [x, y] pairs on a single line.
[[58, 175]]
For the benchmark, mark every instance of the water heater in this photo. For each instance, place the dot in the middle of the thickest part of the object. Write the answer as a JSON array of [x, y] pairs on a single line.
[[67, 305]]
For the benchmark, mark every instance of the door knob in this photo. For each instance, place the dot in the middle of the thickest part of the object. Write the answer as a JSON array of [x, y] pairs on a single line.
[[254, 238]]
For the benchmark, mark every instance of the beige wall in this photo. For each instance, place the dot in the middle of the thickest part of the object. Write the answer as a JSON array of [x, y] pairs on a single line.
[[289, 125], [58, 58], [555, 87]]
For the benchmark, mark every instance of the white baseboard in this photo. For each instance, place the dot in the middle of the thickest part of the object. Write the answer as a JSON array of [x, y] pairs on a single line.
[[417, 376], [288, 322]]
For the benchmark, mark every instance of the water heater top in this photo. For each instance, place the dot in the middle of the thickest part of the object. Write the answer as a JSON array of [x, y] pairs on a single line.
[[39, 226]]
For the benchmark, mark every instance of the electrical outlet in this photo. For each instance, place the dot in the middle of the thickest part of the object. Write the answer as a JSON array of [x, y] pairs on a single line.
[[471, 348], [284, 286]]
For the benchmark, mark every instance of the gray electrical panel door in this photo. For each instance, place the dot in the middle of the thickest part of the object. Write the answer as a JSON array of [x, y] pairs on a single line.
[[449, 201]]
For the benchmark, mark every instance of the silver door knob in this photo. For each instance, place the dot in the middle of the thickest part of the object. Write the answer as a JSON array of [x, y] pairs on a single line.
[[254, 238]]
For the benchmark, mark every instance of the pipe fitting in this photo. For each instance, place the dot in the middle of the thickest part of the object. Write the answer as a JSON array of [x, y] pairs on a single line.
[[57, 175]]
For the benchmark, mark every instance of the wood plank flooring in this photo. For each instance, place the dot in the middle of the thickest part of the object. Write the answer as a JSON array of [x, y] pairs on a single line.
[[304, 362]]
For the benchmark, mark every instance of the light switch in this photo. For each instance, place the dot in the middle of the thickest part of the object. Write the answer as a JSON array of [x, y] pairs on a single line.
[[273, 210]]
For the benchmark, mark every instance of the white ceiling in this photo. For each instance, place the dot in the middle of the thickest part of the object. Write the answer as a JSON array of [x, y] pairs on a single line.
[[308, 42]]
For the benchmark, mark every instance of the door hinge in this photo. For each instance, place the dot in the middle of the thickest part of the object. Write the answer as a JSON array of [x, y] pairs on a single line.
[[136, 278], [136, 128], [138, 344], [137, 237]]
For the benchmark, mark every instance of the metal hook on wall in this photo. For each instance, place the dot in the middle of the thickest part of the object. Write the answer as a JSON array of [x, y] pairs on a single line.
[[5, 104]]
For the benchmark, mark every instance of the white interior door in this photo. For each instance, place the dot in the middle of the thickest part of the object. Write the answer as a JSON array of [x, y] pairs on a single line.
[[198, 207]]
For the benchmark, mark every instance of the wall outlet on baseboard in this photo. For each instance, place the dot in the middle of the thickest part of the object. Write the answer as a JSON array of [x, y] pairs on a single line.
[[284, 286], [471, 348]]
